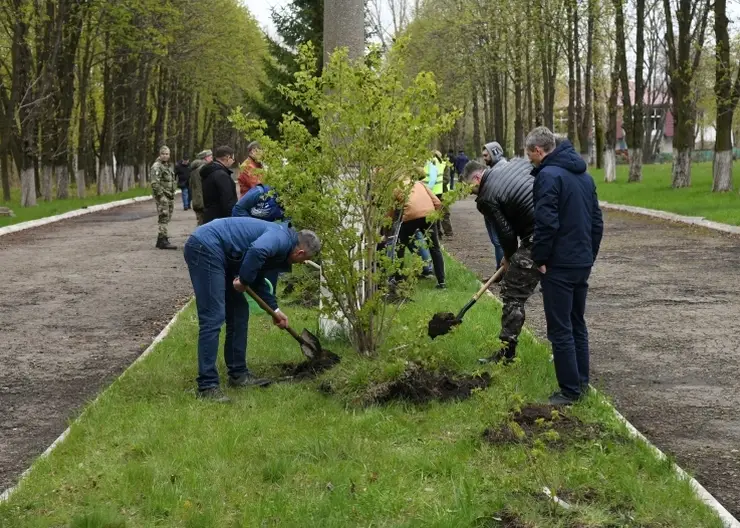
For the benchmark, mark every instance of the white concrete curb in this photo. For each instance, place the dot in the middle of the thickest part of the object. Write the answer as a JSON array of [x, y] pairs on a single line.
[[70, 214], [673, 217], [726, 517], [8, 492]]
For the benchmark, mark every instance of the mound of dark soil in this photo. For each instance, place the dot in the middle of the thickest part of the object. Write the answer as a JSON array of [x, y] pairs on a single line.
[[537, 422], [421, 386], [442, 323], [309, 369]]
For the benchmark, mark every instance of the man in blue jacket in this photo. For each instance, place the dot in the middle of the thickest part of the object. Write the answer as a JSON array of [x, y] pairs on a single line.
[[567, 235], [224, 256]]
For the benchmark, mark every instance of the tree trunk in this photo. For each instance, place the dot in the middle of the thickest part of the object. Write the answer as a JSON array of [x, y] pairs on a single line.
[[47, 177], [610, 164], [722, 167], [638, 124], [519, 117], [588, 115], [62, 182], [5, 175], [571, 72], [487, 117], [28, 187], [599, 139], [681, 168], [476, 119]]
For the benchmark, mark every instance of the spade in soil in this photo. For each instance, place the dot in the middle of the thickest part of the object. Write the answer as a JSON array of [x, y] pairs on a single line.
[[319, 359], [443, 322]]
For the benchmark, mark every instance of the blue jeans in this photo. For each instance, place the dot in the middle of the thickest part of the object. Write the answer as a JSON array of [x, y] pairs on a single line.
[[498, 251], [421, 249], [564, 293], [185, 198], [217, 301]]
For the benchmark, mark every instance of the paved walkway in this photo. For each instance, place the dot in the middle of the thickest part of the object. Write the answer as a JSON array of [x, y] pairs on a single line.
[[81, 299], [663, 314]]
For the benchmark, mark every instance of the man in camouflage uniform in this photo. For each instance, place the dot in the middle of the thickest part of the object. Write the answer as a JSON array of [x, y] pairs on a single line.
[[164, 185], [196, 183], [506, 201]]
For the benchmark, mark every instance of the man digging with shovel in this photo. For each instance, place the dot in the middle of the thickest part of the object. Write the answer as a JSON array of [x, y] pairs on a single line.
[[224, 257], [505, 200]]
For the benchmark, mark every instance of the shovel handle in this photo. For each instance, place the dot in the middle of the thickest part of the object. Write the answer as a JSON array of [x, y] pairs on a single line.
[[266, 307], [480, 292]]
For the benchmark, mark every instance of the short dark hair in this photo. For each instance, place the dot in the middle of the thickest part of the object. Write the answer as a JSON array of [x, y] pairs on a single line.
[[223, 152], [471, 168]]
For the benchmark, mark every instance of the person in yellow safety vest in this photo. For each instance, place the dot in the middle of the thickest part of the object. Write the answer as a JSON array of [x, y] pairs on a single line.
[[437, 171]]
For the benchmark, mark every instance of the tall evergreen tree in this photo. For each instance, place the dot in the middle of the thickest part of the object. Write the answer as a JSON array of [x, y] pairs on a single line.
[[300, 22]]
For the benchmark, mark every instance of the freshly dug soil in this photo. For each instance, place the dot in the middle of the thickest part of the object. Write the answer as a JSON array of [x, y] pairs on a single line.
[[420, 386], [535, 421], [669, 364], [442, 323], [309, 369]]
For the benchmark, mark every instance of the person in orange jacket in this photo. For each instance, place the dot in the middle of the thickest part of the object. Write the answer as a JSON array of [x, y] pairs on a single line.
[[249, 175]]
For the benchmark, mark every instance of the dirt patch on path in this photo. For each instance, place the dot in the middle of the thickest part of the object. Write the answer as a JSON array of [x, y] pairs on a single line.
[[663, 312], [81, 299]]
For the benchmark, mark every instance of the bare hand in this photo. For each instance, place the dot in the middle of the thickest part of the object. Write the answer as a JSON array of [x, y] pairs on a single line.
[[543, 269], [280, 320], [238, 286]]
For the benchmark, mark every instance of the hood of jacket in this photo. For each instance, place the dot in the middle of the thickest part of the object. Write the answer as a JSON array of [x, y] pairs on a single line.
[[495, 151], [212, 167], [195, 164], [565, 157]]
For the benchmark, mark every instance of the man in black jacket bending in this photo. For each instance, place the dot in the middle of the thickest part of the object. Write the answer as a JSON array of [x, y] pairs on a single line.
[[505, 200], [219, 189]]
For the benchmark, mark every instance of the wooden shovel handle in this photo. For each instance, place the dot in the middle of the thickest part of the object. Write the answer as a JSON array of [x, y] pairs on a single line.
[[266, 307], [488, 283]]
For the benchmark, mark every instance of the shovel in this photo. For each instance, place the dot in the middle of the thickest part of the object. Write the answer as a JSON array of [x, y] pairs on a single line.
[[310, 345], [443, 322]]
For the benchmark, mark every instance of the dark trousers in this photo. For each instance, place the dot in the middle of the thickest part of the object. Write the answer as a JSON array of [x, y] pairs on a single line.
[[498, 251], [564, 293], [406, 236], [519, 283], [444, 225], [217, 301]]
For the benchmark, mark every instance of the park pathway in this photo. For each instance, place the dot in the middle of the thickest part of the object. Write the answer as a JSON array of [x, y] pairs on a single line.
[[80, 300], [663, 315]]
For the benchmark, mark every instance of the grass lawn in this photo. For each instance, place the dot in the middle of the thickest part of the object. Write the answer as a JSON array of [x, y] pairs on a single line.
[[55, 207], [655, 192], [148, 454]]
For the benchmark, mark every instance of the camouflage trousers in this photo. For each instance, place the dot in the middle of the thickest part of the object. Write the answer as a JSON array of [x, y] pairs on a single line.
[[199, 216], [165, 206], [518, 285]]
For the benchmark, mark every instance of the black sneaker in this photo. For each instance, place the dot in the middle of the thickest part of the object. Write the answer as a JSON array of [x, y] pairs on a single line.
[[214, 394], [559, 399], [247, 380], [441, 286], [498, 357]]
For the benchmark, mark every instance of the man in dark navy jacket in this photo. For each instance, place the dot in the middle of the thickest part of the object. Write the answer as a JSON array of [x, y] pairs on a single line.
[[567, 235]]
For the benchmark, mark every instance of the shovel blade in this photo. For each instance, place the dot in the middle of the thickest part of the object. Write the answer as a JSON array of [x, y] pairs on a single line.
[[311, 347]]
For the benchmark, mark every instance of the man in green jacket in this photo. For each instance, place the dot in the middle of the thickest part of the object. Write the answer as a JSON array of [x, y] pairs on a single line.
[[164, 185], [196, 183]]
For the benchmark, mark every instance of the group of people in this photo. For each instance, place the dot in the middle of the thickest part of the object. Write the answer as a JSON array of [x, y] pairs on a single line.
[[544, 223], [547, 225], [243, 241]]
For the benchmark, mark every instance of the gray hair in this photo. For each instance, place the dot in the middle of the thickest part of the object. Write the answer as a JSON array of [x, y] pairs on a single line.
[[540, 137], [472, 168], [163, 149], [309, 242]]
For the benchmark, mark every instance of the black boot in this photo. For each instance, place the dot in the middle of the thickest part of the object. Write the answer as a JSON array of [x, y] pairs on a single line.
[[505, 356], [164, 243]]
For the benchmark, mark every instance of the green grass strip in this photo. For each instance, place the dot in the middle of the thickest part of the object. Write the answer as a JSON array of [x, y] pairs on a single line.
[[146, 453]]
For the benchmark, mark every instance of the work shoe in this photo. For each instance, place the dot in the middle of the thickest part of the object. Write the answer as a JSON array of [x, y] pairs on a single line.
[[559, 399], [247, 380], [441, 286], [505, 356], [214, 394], [164, 243], [427, 274]]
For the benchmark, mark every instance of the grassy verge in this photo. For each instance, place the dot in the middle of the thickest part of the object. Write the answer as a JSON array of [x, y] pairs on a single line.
[[655, 192], [148, 454], [55, 207]]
